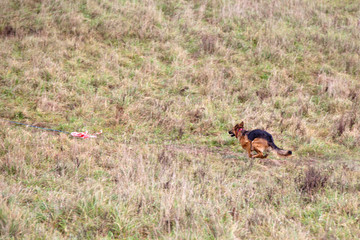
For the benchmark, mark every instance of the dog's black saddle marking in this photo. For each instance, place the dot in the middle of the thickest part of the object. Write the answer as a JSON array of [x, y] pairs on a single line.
[[258, 133]]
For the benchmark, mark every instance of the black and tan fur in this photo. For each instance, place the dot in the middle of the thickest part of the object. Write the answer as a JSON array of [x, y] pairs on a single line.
[[256, 140]]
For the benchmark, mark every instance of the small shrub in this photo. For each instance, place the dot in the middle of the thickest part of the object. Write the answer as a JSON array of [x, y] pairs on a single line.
[[263, 94], [196, 115], [164, 158], [311, 180], [7, 31], [209, 43], [341, 126]]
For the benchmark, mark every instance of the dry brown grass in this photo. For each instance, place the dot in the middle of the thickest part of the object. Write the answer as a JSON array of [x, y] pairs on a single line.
[[65, 187], [165, 80]]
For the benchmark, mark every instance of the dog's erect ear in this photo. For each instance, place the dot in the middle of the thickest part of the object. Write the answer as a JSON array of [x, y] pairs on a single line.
[[239, 125]]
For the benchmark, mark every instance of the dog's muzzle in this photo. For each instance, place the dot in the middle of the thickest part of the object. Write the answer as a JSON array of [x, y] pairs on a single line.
[[232, 133]]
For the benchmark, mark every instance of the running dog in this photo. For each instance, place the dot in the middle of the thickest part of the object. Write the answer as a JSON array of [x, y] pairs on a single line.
[[256, 140]]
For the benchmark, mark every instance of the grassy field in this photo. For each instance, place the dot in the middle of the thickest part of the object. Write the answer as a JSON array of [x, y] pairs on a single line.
[[165, 80]]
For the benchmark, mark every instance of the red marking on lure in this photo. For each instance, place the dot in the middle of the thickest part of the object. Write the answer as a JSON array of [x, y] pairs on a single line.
[[84, 135]]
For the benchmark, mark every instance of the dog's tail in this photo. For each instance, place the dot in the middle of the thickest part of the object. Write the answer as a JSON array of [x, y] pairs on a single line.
[[279, 151]]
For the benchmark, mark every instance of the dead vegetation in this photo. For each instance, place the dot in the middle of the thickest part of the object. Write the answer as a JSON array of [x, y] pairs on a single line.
[[93, 188], [165, 80], [312, 180]]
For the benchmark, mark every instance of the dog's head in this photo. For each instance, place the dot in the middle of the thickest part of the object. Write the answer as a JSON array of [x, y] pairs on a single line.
[[237, 130]]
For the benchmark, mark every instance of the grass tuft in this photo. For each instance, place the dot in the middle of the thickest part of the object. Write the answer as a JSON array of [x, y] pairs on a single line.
[[311, 181]]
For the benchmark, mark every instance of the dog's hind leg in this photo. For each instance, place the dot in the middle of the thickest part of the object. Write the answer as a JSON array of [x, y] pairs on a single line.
[[259, 146], [259, 154]]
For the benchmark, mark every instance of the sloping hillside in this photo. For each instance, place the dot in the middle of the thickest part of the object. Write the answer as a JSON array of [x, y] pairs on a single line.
[[165, 81]]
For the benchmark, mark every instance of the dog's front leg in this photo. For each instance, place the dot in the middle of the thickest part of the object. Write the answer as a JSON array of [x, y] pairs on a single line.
[[248, 149]]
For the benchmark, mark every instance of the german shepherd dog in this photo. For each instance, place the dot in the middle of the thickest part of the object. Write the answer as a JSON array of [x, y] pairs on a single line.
[[256, 140]]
